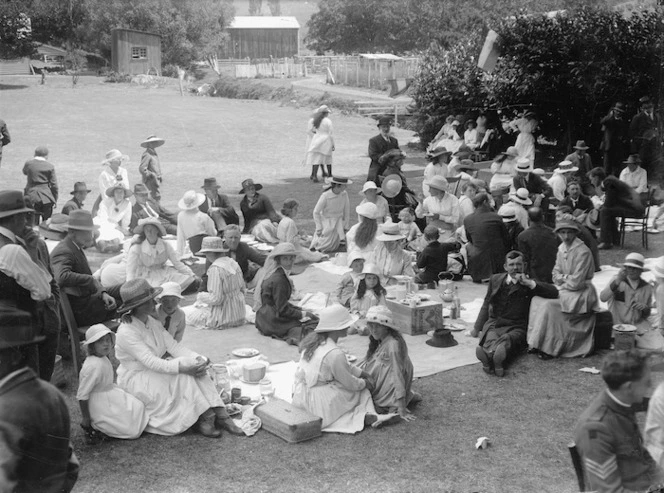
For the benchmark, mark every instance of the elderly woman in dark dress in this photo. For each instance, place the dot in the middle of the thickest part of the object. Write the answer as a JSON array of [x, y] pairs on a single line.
[[391, 163], [260, 218], [276, 316]]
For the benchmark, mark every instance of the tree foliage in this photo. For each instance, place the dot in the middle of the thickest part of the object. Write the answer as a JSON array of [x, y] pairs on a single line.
[[15, 32], [571, 68]]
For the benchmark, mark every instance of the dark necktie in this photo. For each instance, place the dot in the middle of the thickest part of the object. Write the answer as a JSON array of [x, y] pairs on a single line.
[[167, 322]]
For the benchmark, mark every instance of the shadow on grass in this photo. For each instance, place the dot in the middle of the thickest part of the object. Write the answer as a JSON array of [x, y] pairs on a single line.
[[9, 87]]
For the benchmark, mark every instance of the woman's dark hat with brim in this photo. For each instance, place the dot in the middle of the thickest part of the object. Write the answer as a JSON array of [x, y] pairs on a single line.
[[16, 328], [111, 190], [153, 141], [441, 338], [248, 183], [12, 202], [439, 151], [136, 292]]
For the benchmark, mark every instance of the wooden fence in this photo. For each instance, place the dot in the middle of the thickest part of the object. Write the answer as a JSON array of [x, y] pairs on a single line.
[[273, 70]]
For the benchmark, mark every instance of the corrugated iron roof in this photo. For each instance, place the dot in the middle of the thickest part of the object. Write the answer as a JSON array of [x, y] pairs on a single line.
[[51, 50], [264, 22], [380, 56]]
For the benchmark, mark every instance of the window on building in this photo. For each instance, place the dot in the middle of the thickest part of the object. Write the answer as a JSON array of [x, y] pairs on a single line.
[[139, 52]]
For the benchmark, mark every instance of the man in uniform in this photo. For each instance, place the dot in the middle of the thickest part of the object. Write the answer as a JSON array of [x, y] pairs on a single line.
[[607, 435]]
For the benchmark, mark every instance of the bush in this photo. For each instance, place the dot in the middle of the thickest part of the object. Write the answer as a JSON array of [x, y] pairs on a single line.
[[116, 77], [169, 71]]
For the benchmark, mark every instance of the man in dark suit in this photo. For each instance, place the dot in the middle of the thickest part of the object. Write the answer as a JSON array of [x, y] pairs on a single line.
[[643, 132], [217, 205], [614, 139], [539, 190], [379, 145], [579, 203], [147, 207], [5, 138], [503, 319], [80, 193], [539, 245], [90, 301], [42, 185]]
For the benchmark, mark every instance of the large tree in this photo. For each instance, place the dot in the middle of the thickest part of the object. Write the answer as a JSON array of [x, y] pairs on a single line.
[[15, 32]]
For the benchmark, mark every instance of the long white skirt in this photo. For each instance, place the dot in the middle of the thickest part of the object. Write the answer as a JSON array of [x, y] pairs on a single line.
[[265, 231], [117, 413]]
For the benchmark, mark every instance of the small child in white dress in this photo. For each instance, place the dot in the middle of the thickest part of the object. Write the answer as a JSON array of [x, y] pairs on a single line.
[[369, 293], [105, 407], [349, 281]]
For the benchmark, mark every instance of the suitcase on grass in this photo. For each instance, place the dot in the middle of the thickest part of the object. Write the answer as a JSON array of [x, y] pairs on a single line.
[[288, 422]]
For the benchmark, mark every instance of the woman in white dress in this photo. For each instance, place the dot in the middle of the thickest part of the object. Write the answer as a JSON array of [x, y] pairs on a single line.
[[361, 238], [114, 216], [525, 141], [371, 194], [441, 208], [177, 392], [320, 143], [470, 135], [326, 385], [438, 160], [112, 173], [389, 255], [287, 232], [504, 171], [193, 225], [222, 305], [149, 253], [332, 216], [105, 407]]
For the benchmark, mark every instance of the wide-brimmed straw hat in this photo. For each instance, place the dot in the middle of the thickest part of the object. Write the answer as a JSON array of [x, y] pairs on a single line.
[[57, 222], [390, 232], [565, 167], [592, 220], [353, 256], [333, 318], [381, 314], [581, 145], [466, 165], [369, 185], [370, 268], [368, 210], [391, 186], [12, 202], [210, 183], [115, 154], [110, 191], [80, 186], [96, 332], [191, 200], [323, 109], [153, 141], [339, 180], [81, 220], [439, 183], [136, 292], [564, 224], [390, 155], [635, 260], [658, 268], [212, 244], [524, 165], [522, 197], [16, 327], [439, 151], [539, 172], [463, 152], [250, 183], [152, 221], [171, 288], [507, 212], [441, 338], [511, 151], [283, 249]]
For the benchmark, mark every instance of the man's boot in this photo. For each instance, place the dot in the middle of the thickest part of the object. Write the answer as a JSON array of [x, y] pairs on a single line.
[[224, 421], [205, 425]]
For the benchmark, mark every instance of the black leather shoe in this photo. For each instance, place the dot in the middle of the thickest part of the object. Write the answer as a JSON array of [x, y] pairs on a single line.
[[499, 357], [485, 358]]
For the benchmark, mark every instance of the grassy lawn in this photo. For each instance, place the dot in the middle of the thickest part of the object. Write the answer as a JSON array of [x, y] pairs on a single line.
[[528, 416]]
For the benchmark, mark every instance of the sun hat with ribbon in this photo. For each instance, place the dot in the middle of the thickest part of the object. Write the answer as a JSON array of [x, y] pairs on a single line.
[[151, 221], [370, 268], [369, 185], [635, 260], [171, 288], [507, 212], [57, 222], [390, 232], [16, 327], [463, 152], [80, 186], [96, 332], [283, 249], [581, 145], [567, 224], [115, 154], [110, 191], [212, 244], [565, 167], [339, 180], [439, 183], [391, 186], [153, 141], [439, 151], [81, 220], [210, 183], [136, 292], [353, 256], [250, 183], [390, 155], [191, 200], [511, 151], [524, 165], [466, 165], [658, 268], [368, 210], [12, 202], [382, 315], [323, 109], [333, 318], [521, 197]]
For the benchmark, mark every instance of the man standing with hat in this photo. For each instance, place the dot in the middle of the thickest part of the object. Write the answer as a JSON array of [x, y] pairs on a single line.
[[90, 301], [150, 168], [581, 159], [217, 205], [643, 132], [37, 454], [379, 145], [146, 207], [42, 185], [614, 138], [79, 194]]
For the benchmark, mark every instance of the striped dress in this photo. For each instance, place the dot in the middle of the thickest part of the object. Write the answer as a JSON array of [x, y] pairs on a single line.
[[224, 299]]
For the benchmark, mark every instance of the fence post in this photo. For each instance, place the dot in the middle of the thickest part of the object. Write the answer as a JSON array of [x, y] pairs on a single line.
[[357, 74], [396, 115]]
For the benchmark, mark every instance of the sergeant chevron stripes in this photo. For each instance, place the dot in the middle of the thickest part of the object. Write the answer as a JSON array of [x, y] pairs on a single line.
[[603, 470]]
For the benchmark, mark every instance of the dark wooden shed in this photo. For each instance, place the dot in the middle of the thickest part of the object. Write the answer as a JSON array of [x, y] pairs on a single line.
[[135, 52], [264, 37]]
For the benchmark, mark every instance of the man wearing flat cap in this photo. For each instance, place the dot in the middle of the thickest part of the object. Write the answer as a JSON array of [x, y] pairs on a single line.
[[36, 454], [379, 145]]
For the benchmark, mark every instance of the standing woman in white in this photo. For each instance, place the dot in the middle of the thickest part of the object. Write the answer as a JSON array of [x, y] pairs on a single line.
[[320, 143]]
